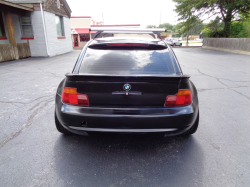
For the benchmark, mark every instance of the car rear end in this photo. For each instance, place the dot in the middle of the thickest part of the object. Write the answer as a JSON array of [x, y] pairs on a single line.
[[126, 86], [170, 42]]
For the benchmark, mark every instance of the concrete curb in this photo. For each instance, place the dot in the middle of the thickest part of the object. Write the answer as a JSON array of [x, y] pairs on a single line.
[[185, 46], [77, 48], [227, 50]]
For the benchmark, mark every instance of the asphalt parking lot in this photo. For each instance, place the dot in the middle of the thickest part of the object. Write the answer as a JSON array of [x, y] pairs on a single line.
[[33, 153]]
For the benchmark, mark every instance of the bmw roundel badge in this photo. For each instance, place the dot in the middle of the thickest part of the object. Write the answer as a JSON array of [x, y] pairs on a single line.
[[126, 87]]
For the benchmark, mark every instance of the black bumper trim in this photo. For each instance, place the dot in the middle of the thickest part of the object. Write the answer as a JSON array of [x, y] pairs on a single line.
[[122, 130], [130, 112]]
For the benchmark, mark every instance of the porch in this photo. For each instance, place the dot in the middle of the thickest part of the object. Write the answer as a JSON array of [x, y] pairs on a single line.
[[12, 45]]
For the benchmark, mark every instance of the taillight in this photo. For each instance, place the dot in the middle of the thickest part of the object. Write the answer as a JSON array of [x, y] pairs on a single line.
[[133, 45], [182, 98], [71, 96]]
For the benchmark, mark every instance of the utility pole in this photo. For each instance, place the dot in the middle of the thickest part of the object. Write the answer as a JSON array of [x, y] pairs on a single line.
[[160, 17], [102, 19], [187, 36], [188, 32]]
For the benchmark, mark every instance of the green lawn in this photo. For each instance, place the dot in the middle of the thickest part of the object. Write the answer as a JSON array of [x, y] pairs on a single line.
[[191, 41]]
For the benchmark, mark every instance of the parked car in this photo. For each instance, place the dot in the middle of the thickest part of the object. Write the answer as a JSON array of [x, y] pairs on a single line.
[[173, 41], [127, 85], [198, 39]]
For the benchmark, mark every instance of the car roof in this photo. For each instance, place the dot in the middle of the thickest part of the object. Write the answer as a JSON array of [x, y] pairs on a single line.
[[102, 30]]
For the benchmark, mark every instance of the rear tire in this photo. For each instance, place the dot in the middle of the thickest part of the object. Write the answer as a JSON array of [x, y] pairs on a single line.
[[180, 44], [60, 128], [193, 129], [174, 45]]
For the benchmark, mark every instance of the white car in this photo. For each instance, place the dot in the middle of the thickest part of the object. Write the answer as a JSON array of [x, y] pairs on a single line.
[[173, 41]]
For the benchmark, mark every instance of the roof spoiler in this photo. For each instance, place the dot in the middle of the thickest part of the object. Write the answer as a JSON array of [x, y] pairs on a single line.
[[99, 30], [127, 78]]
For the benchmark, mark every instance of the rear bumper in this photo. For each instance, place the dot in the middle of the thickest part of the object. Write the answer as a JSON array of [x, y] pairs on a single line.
[[171, 121]]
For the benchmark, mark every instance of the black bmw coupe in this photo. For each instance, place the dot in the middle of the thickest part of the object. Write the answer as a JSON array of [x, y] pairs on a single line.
[[127, 81]]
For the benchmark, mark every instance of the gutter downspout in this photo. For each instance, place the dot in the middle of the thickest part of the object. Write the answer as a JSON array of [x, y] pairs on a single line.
[[44, 30]]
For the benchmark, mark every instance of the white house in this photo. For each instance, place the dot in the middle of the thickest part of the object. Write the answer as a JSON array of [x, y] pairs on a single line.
[[34, 28]]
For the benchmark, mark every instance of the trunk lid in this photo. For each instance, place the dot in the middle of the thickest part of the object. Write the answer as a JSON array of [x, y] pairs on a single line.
[[107, 91]]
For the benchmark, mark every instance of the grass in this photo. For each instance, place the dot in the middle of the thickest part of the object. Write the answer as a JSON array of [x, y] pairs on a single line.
[[191, 41]]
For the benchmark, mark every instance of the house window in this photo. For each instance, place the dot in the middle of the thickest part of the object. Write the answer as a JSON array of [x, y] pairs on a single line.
[[59, 26], [2, 30], [84, 37], [26, 26]]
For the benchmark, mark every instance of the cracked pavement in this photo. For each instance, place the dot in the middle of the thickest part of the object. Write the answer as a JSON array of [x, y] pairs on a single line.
[[33, 153]]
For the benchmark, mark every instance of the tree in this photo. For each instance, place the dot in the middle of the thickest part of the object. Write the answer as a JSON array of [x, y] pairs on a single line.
[[167, 26], [151, 26], [213, 28], [190, 11], [197, 28]]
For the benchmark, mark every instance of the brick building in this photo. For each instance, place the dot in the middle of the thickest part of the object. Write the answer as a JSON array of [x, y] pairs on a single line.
[[34, 28]]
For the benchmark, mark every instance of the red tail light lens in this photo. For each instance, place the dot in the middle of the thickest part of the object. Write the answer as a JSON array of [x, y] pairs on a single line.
[[182, 98], [136, 45], [71, 96]]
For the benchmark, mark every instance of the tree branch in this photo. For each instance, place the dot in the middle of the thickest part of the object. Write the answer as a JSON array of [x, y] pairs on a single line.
[[222, 11]]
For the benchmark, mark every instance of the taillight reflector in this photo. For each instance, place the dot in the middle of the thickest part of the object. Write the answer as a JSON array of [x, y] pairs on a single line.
[[137, 45], [182, 98], [71, 96]]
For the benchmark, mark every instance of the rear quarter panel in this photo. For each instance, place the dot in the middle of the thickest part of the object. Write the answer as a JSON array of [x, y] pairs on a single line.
[[58, 100]]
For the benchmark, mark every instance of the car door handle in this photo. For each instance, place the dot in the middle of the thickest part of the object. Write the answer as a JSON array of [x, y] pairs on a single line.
[[126, 93]]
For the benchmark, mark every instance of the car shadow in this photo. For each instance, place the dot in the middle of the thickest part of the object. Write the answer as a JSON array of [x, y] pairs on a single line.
[[128, 160]]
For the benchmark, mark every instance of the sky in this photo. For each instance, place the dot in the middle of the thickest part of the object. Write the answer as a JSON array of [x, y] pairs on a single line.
[[115, 12]]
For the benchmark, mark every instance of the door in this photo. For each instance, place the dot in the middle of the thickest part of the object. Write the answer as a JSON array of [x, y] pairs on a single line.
[[76, 43], [177, 42]]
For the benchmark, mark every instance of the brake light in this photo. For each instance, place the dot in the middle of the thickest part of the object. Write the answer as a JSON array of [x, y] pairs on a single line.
[[71, 96], [137, 45], [182, 98]]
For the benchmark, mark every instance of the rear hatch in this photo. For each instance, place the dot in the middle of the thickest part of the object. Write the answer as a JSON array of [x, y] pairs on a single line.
[[109, 91], [128, 75]]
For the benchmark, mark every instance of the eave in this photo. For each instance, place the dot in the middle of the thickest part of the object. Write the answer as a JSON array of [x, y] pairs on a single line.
[[16, 5]]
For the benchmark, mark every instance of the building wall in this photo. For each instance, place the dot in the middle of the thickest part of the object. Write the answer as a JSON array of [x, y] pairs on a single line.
[[17, 29], [80, 22], [57, 46], [82, 44], [38, 45]]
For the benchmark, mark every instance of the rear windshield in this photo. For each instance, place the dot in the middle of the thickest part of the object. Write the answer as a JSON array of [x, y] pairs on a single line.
[[127, 62]]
